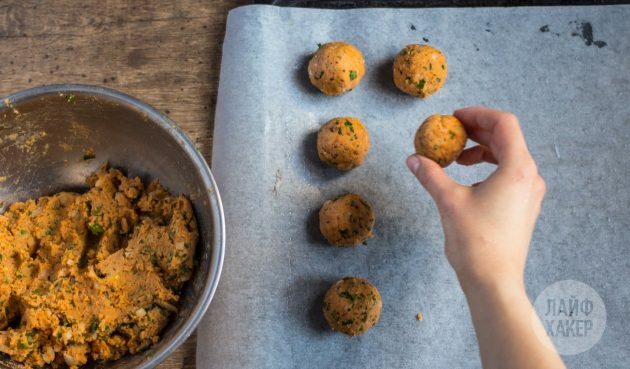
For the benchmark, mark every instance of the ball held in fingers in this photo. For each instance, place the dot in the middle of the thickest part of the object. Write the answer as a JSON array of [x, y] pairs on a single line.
[[441, 138]]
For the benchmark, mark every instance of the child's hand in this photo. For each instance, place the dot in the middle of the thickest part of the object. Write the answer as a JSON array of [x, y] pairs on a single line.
[[487, 226]]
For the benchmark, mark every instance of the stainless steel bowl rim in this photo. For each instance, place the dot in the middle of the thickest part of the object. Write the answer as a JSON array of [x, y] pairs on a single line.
[[218, 218]]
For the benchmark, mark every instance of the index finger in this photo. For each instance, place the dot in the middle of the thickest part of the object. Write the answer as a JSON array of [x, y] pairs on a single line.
[[499, 131]]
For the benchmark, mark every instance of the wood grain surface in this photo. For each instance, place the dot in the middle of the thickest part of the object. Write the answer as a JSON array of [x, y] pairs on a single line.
[[166, 53]]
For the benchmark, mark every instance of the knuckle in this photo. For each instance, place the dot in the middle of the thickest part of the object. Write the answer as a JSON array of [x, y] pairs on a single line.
[[526, 170], [540, 186], [509, 117], [531, 167]]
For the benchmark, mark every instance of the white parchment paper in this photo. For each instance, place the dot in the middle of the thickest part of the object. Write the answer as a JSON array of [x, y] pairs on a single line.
[[570, 92]]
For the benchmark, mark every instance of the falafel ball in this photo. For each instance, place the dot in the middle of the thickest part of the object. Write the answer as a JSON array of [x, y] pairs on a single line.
[[337, 67], [352, 306], [343, 143], [346, 220], [441, 138], [420, 70]]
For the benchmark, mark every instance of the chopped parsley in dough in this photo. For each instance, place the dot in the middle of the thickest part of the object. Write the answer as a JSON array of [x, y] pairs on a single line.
[[92, 276], [352, 306], [420, 70], [343, 143], [346, 220], [441, 138], [336, 68]]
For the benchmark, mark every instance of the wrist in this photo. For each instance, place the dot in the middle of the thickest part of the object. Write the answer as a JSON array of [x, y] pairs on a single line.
[[496, 283]]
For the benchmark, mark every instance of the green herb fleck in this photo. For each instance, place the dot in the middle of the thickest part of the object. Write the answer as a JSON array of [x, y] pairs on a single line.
[[70, 98], [321, 73], [185, 270], [38, 292], [97, 210], [353, 74], [430, 66], [437, 79], [22, 345], [348, 124], [319, 46], [23, 232], [421, 84], [31, 334], [452, 134], [94, 324], [96, 228], [442, 66], [348, 295]]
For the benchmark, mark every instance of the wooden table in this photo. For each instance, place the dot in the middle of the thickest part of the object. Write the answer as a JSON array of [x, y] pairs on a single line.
[[166, 53]]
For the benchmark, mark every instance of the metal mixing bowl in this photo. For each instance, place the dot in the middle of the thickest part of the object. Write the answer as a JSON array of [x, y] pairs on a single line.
[[44, 135]]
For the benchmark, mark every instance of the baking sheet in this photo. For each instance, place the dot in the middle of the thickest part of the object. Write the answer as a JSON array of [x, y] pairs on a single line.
[[568, 86]]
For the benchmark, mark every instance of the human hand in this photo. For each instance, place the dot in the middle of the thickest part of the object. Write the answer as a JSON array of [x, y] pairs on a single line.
[[487, 226]]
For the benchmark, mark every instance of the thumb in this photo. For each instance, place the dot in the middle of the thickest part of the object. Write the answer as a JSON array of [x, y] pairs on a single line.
[[431, 176]]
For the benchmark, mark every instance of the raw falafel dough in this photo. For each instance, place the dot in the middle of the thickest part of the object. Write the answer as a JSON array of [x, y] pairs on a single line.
[[352, 306], [420, 70], [337, 67], [343, 143], [92, 276], [346, 220], [441, 138]]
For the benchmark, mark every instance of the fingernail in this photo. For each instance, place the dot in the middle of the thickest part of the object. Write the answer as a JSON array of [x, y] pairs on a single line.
[[413, 162]]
